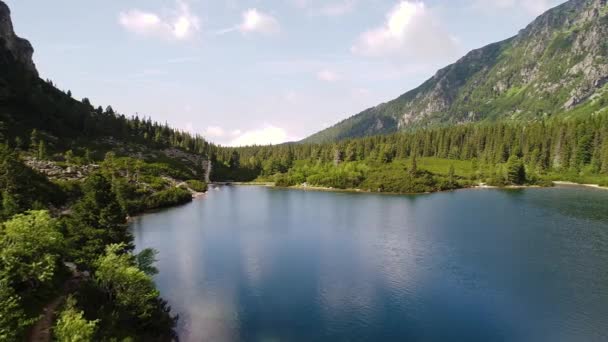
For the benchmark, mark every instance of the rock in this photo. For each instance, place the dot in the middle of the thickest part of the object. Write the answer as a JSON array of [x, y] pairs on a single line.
[[573, 101], [20, 48]]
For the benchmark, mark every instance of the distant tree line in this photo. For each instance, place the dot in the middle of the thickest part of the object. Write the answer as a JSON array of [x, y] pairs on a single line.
[[562, 146]]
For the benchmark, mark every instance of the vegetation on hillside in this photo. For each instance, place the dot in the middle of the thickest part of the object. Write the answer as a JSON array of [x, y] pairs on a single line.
[[573, 149], [557, 66], [119, 299]]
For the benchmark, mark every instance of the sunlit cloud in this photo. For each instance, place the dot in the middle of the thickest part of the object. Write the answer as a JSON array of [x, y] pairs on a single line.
[[266, 135], [411, 29], [254, 21], [181, 24], [214, 132]]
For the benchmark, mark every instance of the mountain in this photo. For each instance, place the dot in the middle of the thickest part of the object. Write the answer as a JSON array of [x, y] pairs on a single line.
[[556, 65], [31, 106], [20, 49]]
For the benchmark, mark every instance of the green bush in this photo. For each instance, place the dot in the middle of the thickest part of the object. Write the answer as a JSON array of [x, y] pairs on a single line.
[[168, 198], [197, 185]]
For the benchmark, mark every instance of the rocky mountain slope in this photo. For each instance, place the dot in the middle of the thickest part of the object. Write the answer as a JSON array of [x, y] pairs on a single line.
[[20, 48], [28, 103], [557, 65]]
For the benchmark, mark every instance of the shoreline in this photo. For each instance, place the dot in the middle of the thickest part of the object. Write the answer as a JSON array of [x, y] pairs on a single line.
[[195, 195], [594, 186], [480, 186]]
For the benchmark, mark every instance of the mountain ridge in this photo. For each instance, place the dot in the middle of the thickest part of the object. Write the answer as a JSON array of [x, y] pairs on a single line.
[[553, 65], [20, 48]]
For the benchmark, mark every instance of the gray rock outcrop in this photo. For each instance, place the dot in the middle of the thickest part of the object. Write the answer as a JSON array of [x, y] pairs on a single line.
[[20, 48]]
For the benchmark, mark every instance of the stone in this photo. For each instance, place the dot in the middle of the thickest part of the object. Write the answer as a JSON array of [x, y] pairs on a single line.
[[20, 48]]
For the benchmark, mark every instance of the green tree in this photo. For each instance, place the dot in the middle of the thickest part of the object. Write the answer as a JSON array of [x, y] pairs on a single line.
[[97, 220], [235, 160], [452, 176], [516, 171], [32, 245], [34, 138], [72, 326], [584, 150], [18, 143], [13, 320], [387, 154], [128, 286], [41, 150], [88, 157], [414, 166], [69, 156], [604, 167], [146, 260], [10, 206]]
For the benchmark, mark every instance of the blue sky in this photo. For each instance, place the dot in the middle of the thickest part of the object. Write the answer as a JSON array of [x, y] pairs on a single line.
[[260, 71]]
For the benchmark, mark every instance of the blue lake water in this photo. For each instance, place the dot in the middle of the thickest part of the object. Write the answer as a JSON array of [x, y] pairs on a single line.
[[262, 264]]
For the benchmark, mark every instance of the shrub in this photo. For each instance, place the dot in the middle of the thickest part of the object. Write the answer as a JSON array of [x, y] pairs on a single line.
[[197, 185], [168, 198]]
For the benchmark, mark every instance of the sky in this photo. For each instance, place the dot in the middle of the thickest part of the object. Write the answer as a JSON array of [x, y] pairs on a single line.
[[260, 71]]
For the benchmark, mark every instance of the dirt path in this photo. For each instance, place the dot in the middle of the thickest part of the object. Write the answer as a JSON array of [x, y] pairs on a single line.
[[42, 331]]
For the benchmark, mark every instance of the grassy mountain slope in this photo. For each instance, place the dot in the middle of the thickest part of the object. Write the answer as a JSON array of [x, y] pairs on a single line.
[[554, 66]]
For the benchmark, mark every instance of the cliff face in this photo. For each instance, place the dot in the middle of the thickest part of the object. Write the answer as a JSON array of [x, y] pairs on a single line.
[[21, 50], [553, 66]]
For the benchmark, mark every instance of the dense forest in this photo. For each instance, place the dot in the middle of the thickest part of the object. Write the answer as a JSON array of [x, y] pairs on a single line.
[[69, 238], [572, 149]]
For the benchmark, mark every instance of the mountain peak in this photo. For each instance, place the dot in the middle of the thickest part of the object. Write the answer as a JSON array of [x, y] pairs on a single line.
[[554, 65], [21, 49]]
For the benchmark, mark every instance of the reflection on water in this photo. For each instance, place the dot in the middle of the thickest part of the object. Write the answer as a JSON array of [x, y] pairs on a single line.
[[259, 264]]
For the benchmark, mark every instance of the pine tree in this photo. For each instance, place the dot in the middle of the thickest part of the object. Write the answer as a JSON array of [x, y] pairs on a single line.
[[452, 176], [10, 206], [235, 160], [97, 220], [87, 156], [34, 140], [41, 150], [414, 167], [604, 168], [516, 172]]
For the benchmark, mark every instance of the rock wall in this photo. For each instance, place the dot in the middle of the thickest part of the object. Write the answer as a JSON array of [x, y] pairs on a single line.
[[20, 48]]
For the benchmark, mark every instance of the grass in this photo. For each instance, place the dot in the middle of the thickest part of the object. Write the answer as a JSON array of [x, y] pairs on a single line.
[[601, 180]]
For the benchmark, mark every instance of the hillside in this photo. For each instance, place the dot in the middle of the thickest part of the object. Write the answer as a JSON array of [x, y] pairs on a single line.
[[31, 106], [558, 65]]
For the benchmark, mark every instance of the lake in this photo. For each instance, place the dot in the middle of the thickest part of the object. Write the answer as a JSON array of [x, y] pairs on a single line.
[[262, 264]]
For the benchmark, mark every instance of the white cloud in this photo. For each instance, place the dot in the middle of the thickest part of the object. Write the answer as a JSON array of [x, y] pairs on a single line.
[[534, 7], [214, 132], [266, 135], [411, 29], [328, 76], [181, 24], [255, 21]]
